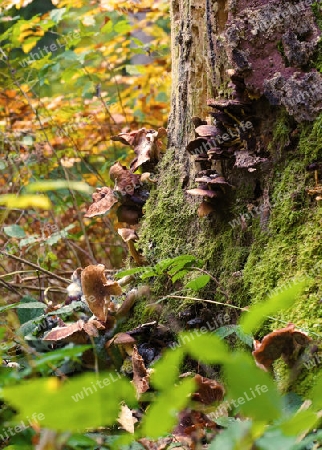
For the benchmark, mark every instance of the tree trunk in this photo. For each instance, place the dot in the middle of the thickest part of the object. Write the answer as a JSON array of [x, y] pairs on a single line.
[[256, 63]]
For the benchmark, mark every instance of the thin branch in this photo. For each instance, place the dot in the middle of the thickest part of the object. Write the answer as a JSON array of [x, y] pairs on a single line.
[[183, 297], [35, 266], [11, 287], [220, 288]]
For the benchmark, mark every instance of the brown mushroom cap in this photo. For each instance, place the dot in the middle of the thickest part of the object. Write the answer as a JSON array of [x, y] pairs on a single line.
[[127, 234], [197, 121], [281, 342], [97, 290], [123, 339], [222, 104], [196, 146], [203, 192], [209, 391], [214, 180], [208, 130]]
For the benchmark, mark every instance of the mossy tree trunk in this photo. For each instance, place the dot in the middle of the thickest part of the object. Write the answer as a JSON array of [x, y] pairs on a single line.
[[258, 62]]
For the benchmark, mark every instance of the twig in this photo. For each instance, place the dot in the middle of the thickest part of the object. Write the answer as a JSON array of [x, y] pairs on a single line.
[[183, 297], [10, 287], [220, 288], [81, 223], [35, 266], [34, 288]]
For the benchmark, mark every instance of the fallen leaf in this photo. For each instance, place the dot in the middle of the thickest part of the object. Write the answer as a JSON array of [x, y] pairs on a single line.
[[140, 374], [126, 419]]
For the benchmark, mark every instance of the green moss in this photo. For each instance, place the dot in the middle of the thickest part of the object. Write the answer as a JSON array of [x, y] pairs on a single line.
[[166, 227], [293, 246], [248, 263], [141, 313]]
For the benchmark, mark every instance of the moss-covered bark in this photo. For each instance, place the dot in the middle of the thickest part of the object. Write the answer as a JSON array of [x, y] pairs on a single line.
[[269, 231]]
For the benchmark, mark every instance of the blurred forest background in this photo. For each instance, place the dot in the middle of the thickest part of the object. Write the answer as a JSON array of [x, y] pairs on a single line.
[[73, 74]]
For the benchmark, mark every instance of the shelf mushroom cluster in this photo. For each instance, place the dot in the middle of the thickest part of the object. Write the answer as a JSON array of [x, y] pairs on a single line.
[[231, 139], [211, 187]]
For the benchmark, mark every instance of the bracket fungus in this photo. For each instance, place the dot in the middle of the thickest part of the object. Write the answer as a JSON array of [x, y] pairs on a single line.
[[284, 342], [125, 181], [146, 145], [103, 200], [97, 290]]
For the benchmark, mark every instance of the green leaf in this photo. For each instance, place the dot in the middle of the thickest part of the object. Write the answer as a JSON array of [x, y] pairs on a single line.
[[274, 439], [122, 27], [258, 313], [161, 416], [14, 231], [107, 28], [247, 339], [57, 356], [7, 307], [68, 309], [29, 240], [236, 437], [166, 370], [134, 271], [198, 283], [207, 347], [225, 331], [301, 422], [291, 403], [81, 440], [57, 236], [254, 393], [305, 444], [316, 394], [11, 201], [28, 309], [42, 186], [179, 275], [81, 403], [224, 421], [57, 14]]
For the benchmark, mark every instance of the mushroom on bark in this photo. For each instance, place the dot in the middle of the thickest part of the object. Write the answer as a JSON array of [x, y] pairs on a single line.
[[129, 236]]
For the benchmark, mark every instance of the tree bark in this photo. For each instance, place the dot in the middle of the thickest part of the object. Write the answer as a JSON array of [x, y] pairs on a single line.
[[254, 62]]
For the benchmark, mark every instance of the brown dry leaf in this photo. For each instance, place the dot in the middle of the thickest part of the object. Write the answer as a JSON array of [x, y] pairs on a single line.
[[75, 332], [285, 342], [125, 180], [103, 200], [140, 373], [209, 391], [97, 290], [59, 333], [126, 419]]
